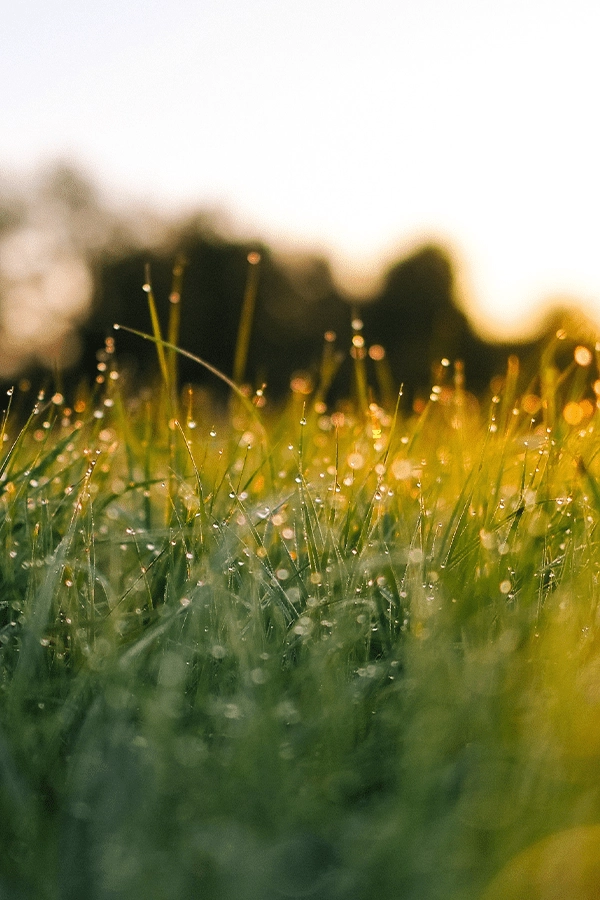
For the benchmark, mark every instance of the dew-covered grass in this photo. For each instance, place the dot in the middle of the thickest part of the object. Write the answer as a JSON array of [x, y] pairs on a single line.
[[320, 652]]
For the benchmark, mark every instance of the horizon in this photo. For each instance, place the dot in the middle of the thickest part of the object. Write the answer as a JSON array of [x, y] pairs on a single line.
[[359, 137]]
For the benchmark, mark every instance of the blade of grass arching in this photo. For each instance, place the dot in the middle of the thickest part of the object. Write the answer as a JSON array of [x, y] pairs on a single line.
[[18, 441], [40, 468], [175, 318], [246, 318], [160, 349], [248, 405]]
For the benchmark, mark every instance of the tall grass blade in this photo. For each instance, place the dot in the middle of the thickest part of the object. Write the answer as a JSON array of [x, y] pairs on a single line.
[[246, 318], [156, 330]]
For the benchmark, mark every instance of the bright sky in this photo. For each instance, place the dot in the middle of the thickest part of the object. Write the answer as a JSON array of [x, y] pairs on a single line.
[[355, 126]]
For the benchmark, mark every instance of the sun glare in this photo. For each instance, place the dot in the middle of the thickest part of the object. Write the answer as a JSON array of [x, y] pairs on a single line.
[[354, 134]]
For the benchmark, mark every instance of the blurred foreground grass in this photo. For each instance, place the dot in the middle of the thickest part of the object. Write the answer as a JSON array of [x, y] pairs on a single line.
[[308, 653]]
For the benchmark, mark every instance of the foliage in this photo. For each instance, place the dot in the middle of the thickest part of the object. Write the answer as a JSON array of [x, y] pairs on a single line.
[[345, 653]]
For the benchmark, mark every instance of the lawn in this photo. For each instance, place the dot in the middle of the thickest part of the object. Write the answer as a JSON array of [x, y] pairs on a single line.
[[346, 652]]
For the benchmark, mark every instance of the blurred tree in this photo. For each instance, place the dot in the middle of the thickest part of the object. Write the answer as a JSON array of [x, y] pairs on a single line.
[[295, 306], [64, 183], [417, 319]]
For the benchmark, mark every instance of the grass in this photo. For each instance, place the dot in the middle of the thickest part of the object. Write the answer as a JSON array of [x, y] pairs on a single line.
[[347, 653]]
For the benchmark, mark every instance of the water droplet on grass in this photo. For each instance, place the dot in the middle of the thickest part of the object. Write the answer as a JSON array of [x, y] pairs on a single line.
[[259, 676], [232, 711]]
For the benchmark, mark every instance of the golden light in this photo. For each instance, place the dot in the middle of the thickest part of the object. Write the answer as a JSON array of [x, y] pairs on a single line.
[[531, 404], [583, 356], [376, 352], [587, 408], [301, 384], [356, 460], [573, 413]]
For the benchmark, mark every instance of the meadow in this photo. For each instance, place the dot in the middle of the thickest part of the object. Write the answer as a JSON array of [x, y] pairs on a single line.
[[334, 652]]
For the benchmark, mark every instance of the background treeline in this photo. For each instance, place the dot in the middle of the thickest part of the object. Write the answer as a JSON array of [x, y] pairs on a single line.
[[415, 316]]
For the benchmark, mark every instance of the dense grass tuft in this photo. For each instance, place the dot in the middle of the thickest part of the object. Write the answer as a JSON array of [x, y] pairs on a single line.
[[306, 653]]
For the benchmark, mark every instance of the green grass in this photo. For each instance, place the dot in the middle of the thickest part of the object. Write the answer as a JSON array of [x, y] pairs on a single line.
[[322, 653]]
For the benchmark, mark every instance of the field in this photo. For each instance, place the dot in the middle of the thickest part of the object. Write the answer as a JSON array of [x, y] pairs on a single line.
[[345, 652]]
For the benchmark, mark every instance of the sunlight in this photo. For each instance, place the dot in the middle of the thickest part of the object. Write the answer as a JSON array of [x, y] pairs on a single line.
[[354, 135]]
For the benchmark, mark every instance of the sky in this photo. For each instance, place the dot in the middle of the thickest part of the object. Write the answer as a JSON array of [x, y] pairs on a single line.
[[359, 128]]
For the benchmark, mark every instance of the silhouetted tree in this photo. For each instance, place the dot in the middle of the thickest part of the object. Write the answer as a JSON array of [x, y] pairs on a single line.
[[293, 309], [417, 319], [416, 316]]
